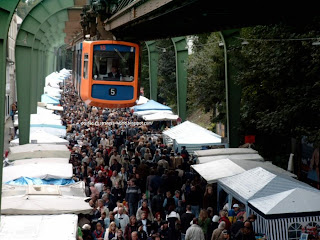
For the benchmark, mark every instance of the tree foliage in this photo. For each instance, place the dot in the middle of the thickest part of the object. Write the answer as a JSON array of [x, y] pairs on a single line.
[[25, 6], [167, 87], [206, 84]]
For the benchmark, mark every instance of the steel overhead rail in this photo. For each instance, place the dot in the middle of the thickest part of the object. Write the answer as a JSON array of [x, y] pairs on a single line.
[[7, 9], [41, 19]]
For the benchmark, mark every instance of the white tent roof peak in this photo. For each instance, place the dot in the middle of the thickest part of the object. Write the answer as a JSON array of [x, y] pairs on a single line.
[[258, 182], [212, 171], [295, 200]]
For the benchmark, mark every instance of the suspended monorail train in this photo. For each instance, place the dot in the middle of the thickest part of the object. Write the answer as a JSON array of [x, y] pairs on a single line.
[[107, 73]]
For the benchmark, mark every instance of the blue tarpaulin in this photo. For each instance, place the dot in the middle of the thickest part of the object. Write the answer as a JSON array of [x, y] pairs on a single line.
[[151, 105], [39, 181]]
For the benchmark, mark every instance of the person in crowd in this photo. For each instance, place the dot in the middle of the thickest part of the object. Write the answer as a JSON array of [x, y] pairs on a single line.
[[204, 222], [157, 223], [122, 218], [245, 233], [186, 219], [111, 219], [111, 232], [142, 234], [146, 223], [194, 200], [98, 233], [168, 201], [133, 195], [217, 233], [119, 235], [224, 218], [130, 228], [194, 232], [144, 208], [235, 227], [210, 198], [232, 213]]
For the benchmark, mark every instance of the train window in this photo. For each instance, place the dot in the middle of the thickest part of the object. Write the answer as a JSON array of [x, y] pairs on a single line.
[[85, 66], [113, 63]]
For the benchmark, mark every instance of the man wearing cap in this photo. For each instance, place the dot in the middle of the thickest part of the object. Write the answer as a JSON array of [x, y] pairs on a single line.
[[232, 213]]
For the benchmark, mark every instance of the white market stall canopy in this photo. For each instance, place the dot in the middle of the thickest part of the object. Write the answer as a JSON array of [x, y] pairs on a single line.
[[55, 108], [42, 171], [45, 98], [41, 137], [151, 105], [212, 171], [41, 160], [248, 163], [39, 227], [142, 100], [257, 183], [160, 116], [190, 135], [143, 113], [73, 190], [251, 157], [296, 200], [28, 151], [225, 151]]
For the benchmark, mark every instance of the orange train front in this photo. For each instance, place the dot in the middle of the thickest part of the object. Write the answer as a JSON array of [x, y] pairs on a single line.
[[109, 76]]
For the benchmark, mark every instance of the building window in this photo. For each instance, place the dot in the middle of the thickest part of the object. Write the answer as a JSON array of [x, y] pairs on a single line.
[[85, 66], [294, 231]]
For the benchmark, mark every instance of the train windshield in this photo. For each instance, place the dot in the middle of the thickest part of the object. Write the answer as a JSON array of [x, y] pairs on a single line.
[[113, 62]]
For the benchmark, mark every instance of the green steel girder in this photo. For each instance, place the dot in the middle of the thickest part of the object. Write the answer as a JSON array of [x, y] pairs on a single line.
[[34, 28], [181, 53], [153, 55], [231, 39], [7, 9]]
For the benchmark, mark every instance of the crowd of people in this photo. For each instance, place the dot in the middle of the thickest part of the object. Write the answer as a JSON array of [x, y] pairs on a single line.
[[139, 187]]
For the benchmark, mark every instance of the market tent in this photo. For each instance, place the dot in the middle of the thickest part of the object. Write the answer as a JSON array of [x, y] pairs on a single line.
[[144, 113], [212, 171], [41, 137], [293, 201], [225, 151], [252, 157], [142, 100], [45, 98], [41, 170], [190, 135], [247, 162], [46, 203], [151, 105], [55, 108], [39, 227], [258, 182], [28, 151], [160, 116], [76, 189], [56, 130], [41, 160], [277, 214]]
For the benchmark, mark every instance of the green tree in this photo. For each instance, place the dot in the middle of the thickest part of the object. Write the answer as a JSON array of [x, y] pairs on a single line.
[[144, 75], [167, 87], [206, 84], [280, 82]]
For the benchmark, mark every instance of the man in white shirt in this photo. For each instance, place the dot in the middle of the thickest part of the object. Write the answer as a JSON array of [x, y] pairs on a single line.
[[104, 141], [123, 218]]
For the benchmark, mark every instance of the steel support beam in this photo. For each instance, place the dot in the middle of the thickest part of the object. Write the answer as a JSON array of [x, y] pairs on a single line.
[[153, 55], [233, 90], [181, 53], [38, 19], [7, 9]]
